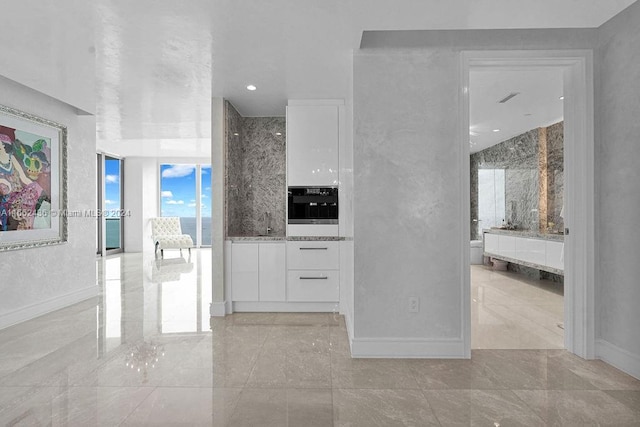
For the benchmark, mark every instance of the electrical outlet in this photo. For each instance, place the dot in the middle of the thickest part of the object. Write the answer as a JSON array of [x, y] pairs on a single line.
[[414, 305]]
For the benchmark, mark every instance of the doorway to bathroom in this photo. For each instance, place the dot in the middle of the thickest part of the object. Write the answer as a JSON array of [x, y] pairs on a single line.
[[516, 169], [527, 188]]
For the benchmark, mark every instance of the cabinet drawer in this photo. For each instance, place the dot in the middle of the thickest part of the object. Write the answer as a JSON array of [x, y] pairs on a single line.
[[313, 255], [316, 286]]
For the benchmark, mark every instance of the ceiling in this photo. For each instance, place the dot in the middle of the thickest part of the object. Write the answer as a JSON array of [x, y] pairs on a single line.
[[159, 62], [302, 49], [536, 104]]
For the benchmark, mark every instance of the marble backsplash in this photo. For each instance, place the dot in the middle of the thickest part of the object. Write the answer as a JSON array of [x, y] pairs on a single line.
[[533, 179], [256, 174]]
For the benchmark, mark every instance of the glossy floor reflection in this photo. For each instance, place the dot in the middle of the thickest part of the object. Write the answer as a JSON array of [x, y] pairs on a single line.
[[145, 353], [511, 311]]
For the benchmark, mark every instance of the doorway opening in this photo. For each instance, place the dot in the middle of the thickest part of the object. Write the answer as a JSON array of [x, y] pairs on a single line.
[[575, 248], [517, 186]]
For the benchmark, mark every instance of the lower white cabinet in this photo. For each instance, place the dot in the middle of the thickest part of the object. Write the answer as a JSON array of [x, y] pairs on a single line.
[[272, 271], [258, 271], [244, 272], [313, 285], [279, 272]]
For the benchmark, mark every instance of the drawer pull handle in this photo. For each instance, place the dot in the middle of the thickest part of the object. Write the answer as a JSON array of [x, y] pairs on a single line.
[[313, 249], [313, 278]]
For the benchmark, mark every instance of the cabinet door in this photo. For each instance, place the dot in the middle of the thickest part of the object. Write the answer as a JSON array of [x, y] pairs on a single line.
[[318, 255], [491, 243], [312, 145], [555, 254], [313, 285], [244, 272], [272, 271]]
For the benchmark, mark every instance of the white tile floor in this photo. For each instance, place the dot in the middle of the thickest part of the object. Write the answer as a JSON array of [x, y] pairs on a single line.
[[73, 367], [511, 311]]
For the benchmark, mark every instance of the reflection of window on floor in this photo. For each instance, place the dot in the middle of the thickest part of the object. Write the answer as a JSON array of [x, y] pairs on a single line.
[[113, 303], [491, 198], [185, 192]]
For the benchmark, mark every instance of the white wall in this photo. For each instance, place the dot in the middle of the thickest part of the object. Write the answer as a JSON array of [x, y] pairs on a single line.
[[407, 197], [408, 186], [617, 109], [48, 45], [221, 302], [141, 190], [35, 281]]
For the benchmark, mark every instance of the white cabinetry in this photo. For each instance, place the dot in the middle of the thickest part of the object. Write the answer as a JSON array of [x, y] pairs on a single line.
[[538, 252], [313, 271], [555, 254], [491, 243], [272, 271], [258, 271], [313, 135], [244, 271]]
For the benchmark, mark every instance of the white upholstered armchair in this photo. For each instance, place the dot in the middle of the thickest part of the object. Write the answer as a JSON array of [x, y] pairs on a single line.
[[167, 234]]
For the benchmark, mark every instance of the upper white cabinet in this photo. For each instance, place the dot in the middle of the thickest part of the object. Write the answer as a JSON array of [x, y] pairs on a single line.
[[313, 136]]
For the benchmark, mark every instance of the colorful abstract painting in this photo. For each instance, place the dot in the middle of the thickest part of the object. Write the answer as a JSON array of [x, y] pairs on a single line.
[[31, 192]]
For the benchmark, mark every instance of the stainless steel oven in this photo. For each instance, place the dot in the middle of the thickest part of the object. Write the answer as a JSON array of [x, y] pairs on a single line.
[[313, 205]]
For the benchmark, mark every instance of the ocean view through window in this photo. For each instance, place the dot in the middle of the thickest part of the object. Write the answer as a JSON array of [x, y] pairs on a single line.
[[185, 192]]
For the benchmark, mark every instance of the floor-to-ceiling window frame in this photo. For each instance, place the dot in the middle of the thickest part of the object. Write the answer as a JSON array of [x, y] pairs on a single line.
[[185, 192], [110, 206]]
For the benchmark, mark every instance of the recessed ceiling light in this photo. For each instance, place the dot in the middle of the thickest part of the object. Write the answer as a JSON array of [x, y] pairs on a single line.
[[561, 98], [236, 134], [278, 134], [496, 130], [251, 87]]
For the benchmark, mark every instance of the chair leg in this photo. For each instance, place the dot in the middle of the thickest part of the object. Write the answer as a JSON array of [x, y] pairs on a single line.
[[162, 253]]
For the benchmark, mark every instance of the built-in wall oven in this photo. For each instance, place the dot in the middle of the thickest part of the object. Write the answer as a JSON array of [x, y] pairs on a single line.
[[313, 205]]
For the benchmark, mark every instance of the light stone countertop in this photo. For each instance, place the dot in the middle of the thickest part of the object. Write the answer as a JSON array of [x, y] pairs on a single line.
[[526, 233], [285, 238]]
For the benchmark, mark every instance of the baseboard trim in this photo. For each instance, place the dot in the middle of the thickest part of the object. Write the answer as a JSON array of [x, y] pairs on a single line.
[[288, 307], [218, 309], [407, 348], [36, 310], [618, 357]]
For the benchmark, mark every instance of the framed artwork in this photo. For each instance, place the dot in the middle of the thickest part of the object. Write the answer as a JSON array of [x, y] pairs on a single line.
[[33, 181]]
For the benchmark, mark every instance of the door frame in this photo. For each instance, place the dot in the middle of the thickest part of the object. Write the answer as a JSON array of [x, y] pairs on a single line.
[[579, 197]]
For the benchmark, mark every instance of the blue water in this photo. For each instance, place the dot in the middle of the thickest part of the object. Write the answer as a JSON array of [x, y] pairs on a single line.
[[187, 224], [189, 227]]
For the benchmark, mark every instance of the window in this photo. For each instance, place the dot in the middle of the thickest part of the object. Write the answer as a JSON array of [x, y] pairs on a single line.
[[185, 192], [491, 198], [113, 203]]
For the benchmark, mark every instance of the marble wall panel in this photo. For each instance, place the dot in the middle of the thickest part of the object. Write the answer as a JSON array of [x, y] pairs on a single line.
[[255, 174], [520, 157], [264, 175], [555, 174], [233, 170]]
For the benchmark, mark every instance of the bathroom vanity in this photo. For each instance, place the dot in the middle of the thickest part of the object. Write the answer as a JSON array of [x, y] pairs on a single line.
[[541, 251]]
